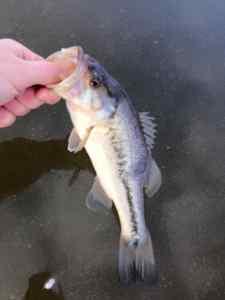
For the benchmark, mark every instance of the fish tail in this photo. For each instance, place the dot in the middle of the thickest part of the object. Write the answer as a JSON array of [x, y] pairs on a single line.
[[136, 260]]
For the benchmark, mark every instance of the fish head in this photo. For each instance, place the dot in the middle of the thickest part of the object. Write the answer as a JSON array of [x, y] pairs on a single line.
[[90, 87]]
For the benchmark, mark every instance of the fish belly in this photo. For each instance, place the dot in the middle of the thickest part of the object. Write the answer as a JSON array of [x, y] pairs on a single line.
[[104, 160]]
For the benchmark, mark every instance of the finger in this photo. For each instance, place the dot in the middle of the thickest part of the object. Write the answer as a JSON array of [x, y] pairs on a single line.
[[6, 118], [7, 91], [19, 50], [47, 96], [30, 55], [52, 101], [26, 54], [29, 99], [45, 73], [17, 108]]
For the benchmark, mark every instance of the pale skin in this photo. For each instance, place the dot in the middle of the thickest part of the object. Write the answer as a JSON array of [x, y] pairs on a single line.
[[24, 77]]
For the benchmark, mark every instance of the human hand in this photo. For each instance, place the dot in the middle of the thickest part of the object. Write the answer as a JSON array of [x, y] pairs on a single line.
[[24, 76]]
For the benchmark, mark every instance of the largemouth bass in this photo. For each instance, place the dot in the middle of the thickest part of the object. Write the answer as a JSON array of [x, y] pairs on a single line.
[[118, 141]]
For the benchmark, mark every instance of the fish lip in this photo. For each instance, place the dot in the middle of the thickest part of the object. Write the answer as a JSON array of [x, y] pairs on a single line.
[[78, 58]]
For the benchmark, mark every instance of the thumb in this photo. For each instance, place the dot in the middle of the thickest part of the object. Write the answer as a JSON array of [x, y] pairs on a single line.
[[45, 73]]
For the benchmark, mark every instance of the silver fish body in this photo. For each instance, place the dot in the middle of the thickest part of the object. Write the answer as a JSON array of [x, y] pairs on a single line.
[[118, 141]]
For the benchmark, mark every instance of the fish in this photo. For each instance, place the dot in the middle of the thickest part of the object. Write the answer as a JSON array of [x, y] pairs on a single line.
[[119, 142]]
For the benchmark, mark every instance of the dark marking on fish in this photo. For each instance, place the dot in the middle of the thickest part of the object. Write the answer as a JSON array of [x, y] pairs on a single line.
[[132, 211], [117, 145]]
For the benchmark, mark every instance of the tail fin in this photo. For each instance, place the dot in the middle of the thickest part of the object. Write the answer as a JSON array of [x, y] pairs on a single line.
[[136, 260]]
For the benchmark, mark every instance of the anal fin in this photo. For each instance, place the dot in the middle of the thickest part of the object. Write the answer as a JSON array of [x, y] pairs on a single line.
[[97, 200]]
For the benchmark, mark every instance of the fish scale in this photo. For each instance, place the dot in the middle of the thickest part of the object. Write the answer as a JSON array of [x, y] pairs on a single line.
[[123, 167]]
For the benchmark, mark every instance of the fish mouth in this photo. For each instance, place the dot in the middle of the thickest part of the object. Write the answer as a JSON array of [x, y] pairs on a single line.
[[74, 55]]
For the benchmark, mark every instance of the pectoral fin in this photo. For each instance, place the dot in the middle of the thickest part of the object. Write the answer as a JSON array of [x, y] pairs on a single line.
[[153, 179], [97, 200], [75, 143]]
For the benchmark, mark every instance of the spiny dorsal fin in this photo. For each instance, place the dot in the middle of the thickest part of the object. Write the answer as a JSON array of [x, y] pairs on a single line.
[[149, 128]]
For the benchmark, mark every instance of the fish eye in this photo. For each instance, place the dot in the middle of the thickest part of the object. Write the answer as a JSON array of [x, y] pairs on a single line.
[[95, 83]]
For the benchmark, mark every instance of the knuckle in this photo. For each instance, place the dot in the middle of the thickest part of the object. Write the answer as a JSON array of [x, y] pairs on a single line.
[[8, 41]]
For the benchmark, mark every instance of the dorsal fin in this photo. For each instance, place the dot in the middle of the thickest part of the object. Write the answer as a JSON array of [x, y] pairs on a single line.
[[149, 128]]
